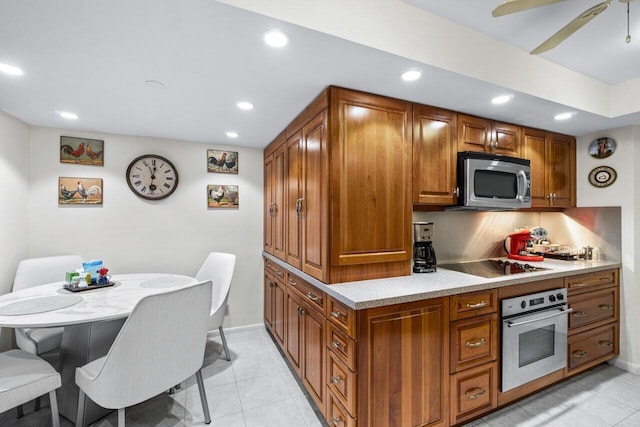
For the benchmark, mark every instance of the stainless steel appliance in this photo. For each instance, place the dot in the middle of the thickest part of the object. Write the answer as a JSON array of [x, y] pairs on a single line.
[[534, 336], [493, 182], [492, 267], [424, 256]]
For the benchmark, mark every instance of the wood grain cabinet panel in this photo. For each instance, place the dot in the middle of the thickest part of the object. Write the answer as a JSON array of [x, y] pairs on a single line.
[[434, 156], [342, 383], [591, 281], [473, 304], [589, 348], [310, 294], [593, 308], [293, 224], [313, 370], [474, 392], [473, 341], [343, 347], [479, 134], [274, 200], [294, 330], [337, 415], [342, 317]]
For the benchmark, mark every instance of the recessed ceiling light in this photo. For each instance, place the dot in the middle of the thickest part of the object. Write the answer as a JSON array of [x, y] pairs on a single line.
[[502, 99], [411, 75], [244, 105], [11, 70], [563, 116], [68, 115], [275, 38], [232, 134]]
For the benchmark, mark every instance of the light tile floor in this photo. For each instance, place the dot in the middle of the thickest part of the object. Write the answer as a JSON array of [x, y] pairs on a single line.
[[257, 389]]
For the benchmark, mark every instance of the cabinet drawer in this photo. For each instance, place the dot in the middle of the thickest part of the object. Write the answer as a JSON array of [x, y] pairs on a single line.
[[592, 346], [342, 346], [588, 282], [342, 316], [274, 268], [473, 304], [591, 307], [342, 382], [474, 392], [310, 293], [337, 415], [473, 342]]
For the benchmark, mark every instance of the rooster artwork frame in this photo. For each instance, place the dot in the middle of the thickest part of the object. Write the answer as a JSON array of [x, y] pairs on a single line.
[[223, 161], [222, 196], [79, 191], [81, 151]]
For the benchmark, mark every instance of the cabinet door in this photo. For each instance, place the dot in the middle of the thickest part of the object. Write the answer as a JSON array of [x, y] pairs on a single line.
[[370, 179], [293, 196], [313, 205], [505, 139], [562, 154], [269, 208], [294, 330], [278, 199], [278, 304], [268, 300], [474, 133], [403, 365], [314, 355], [534, 149], [434, 156]]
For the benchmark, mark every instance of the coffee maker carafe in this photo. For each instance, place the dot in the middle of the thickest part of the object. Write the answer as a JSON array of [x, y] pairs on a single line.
[[424, 256]]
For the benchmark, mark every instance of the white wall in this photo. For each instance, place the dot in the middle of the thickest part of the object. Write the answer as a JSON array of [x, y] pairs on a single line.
[[14, 193], [624, 192], [134, 235]]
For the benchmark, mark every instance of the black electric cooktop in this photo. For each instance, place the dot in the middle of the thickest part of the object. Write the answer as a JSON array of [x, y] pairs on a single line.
[[492, 267]]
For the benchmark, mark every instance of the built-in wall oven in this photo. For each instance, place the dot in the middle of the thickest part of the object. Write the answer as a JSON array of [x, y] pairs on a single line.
[[534, 336]]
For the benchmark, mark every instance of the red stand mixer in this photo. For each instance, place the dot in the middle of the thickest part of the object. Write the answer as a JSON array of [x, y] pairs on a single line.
[[516, 244]]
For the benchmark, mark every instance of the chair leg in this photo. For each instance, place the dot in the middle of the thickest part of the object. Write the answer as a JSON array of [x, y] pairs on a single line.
[[55, 416], [20, 411], [120, 417], [203, 397], [224, 343], [80, 414], [37, 403]]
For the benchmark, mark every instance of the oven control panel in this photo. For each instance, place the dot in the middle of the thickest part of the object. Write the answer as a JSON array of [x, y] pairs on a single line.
[[525, 303]]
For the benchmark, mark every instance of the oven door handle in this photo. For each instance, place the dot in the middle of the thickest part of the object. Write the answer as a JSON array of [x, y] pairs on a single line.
[[511, 324]]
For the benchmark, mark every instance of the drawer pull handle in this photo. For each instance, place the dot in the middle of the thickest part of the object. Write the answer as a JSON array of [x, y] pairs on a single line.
[[477, 305], [292, 283], [335, 421], [606, 307], [579, 314], [475, 393], [278, 272], [335, 344], [579, 354], [312, 297], [606, 343], [607, 278], [476, 343], [578, 285], [336, 314], [300, 311], [335, 379]]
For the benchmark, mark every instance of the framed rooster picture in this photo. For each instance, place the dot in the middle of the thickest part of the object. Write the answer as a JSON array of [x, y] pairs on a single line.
[[222, 161], [79, 191], [81, 151], [222, 196]]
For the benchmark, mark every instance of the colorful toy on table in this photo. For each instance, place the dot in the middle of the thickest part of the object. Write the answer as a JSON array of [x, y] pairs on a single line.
[[103, 279]]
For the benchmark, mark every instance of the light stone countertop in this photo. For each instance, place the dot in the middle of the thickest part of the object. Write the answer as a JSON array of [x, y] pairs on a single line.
[[382, 292]]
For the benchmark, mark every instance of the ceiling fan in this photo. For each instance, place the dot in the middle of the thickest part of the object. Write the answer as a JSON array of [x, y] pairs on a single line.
[[513, 6]]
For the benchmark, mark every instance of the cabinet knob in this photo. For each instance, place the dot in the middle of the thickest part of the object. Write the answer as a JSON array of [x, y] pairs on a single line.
[[336, 421], [456, 191], [271, 285], [335, 314], [335, 344], [336, 379]]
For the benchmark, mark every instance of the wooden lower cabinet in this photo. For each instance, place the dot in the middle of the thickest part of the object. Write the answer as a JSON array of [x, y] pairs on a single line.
[[474, 392], [274, 306]]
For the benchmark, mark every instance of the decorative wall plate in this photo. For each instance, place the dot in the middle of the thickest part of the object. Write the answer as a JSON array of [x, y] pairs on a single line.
[[602, 176], [602, 148]]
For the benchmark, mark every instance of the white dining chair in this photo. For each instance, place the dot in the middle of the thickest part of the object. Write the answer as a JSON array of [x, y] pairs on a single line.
[[31, 272], [161, 344], [24, 377], [218, 267]]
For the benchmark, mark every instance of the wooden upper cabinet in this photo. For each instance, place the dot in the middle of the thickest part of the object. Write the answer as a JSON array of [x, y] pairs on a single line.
[[370, 179], [479, 134], [434, 155], [274, 200], [553, 168], [293, 170]]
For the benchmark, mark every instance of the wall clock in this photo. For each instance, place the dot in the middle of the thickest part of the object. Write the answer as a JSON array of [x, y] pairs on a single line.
[[602, 176], [152, 177]]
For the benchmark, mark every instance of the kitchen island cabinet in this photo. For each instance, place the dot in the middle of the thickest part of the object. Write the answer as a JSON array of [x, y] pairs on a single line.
[[430, 358]]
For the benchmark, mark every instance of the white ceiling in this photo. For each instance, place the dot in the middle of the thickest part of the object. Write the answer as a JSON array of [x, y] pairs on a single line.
[[93, 58]]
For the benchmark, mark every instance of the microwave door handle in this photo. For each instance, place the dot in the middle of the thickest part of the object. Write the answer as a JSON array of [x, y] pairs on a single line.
[[522, 186], [511, 324]]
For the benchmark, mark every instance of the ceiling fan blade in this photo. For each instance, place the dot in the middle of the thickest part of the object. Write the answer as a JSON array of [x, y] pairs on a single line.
[[571, 27], [513, 6]]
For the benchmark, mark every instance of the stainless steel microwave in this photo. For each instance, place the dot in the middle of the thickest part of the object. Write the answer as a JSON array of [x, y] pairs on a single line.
[[493, 182]]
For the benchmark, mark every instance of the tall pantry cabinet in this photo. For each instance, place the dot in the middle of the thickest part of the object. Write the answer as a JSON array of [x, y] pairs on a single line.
[[347, 181]]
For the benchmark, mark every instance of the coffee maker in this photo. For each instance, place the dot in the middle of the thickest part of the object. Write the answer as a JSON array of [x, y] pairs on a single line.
[[424, 256]]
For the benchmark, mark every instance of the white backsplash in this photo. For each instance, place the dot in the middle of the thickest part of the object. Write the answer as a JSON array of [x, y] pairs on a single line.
[[473, 235]]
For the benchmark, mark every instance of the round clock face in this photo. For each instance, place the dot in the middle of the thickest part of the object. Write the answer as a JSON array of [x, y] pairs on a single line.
[[152, 177], [602, 176]]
